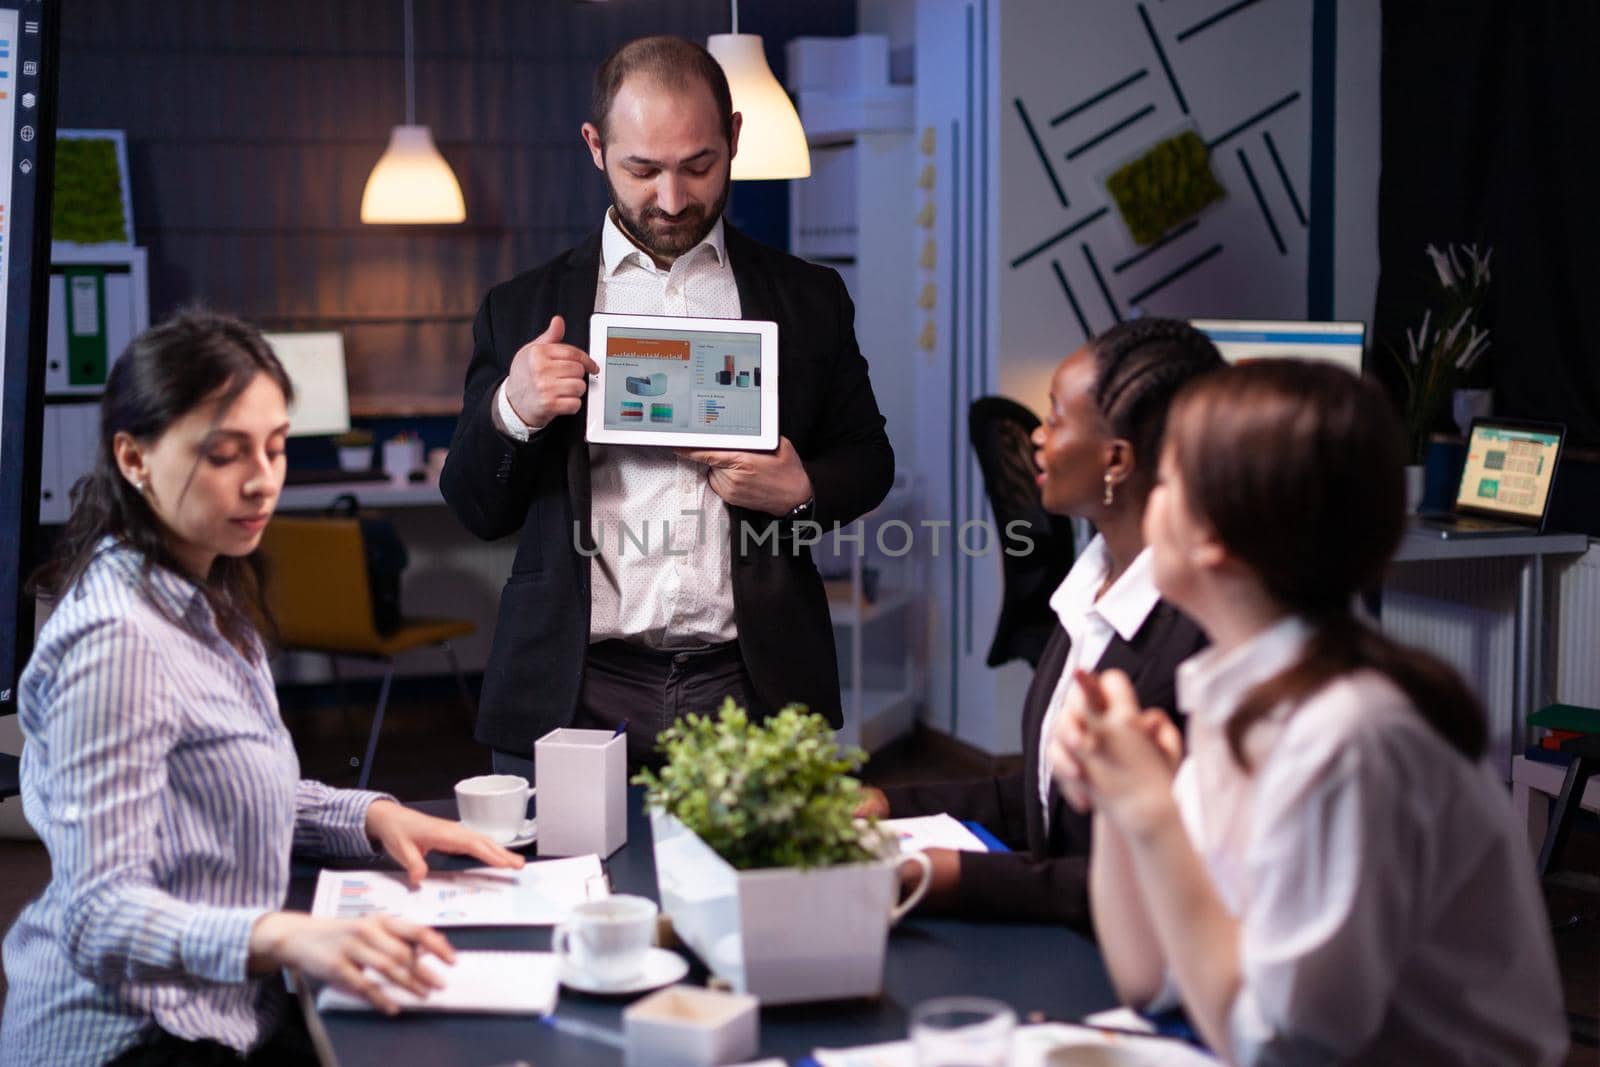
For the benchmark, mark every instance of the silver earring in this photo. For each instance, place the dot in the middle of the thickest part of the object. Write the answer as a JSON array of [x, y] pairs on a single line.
[[1111, 493], [141, 486]]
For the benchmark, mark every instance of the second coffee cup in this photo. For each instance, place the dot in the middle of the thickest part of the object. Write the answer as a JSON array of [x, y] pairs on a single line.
[[607, 940], [495, 805]]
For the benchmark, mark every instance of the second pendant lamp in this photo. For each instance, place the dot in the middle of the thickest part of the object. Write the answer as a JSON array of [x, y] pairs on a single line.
[[772, 143]]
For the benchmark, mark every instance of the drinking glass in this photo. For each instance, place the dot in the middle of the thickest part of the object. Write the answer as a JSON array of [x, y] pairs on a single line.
[[962, 1032]]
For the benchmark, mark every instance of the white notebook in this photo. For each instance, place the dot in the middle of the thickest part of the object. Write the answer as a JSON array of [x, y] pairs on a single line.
[[506, 983]]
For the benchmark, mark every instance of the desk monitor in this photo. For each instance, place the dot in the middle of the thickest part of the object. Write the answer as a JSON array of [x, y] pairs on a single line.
[[28, 48], [315, 365], [1241, 340], [684, 382]]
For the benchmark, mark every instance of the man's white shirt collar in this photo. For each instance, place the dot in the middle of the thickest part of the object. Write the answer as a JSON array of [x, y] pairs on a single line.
[[616, 249]]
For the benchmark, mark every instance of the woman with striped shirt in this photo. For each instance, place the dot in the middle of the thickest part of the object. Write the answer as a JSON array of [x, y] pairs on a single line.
[[157, 770]]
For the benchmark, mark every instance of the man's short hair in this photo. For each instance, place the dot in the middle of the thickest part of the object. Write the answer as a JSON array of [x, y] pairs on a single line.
[[670, 62]]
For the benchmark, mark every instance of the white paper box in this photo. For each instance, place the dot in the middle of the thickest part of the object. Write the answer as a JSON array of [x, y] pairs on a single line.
[[685, 1026], [582, 777]]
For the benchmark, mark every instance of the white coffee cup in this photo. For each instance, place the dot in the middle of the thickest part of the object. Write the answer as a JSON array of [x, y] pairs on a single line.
[[607, 940], [495, 805]]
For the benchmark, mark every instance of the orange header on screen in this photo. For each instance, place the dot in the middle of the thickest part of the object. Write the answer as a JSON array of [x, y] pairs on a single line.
[[645, 348]]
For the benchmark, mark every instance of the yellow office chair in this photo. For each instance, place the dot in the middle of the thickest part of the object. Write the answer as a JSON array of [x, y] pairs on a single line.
[[318, 593]]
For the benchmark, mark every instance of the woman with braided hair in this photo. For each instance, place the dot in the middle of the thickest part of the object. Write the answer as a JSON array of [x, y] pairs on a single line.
[[1096, 453]]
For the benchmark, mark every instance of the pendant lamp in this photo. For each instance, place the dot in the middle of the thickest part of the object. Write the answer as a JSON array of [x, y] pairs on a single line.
[[772, 143], [412, 183]]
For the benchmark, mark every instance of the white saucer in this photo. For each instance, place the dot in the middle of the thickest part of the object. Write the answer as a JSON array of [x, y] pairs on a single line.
[[661, 967], [525, 836]]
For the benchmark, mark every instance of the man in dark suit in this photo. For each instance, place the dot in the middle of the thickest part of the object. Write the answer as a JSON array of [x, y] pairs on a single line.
[[725, 600]]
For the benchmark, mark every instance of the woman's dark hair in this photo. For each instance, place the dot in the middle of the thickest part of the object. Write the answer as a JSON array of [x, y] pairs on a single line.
[[191, 359], [1297, 469], [668, 61], [1139, 367]]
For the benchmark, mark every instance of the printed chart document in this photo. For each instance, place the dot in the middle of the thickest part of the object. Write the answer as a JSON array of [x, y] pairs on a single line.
[[540, 894], [512, 983], [933, 831], [1043, 1045]]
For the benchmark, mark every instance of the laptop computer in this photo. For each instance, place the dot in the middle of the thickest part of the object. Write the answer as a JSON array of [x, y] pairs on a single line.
[[1506, 482]]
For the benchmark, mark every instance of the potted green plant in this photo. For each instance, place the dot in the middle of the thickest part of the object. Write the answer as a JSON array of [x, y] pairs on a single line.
[[759, 859], [355, 450], [1449, 341]]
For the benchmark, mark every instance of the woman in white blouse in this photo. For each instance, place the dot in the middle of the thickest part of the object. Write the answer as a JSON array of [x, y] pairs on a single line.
[[157, 770], [1332, 874]]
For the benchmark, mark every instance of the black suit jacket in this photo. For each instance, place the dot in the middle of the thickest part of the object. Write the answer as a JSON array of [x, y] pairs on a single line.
[[1046, 877], [497, 486]]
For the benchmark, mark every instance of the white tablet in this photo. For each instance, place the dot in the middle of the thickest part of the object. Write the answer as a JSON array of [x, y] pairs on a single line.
[[689, 383]]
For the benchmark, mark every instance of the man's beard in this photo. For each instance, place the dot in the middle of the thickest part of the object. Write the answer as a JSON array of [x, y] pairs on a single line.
[[694, 223]]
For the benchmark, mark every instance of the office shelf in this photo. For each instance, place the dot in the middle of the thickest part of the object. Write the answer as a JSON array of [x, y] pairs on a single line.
[[875, 638]]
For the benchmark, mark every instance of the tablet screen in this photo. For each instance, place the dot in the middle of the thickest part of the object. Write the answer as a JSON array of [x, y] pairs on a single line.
[[685, 381]]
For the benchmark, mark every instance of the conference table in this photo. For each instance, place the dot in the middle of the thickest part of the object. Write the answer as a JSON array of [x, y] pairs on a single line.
[[1042, 971]]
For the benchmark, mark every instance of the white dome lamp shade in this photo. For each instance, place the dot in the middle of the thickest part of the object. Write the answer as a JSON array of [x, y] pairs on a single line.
[[412, 183], [772, 143]]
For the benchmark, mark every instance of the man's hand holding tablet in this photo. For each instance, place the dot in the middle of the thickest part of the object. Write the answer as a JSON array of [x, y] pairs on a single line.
[[775, 483], [548, 378]]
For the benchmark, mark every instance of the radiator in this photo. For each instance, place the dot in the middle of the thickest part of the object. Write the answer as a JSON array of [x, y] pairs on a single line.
[[1573, 594], [1464, 612]]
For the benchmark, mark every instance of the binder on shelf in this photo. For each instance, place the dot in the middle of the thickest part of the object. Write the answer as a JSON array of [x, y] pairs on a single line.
[[87, 356]]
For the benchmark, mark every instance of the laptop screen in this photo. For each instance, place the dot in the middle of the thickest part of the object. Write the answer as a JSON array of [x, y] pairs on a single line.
[[1509, 469]]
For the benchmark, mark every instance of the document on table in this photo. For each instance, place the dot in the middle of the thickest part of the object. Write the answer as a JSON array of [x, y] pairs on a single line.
[[510, 983], [540, 894], [933, 831], [1043, 1045]]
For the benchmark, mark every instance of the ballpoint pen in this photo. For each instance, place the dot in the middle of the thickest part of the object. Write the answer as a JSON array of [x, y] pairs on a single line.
[[622, 728]]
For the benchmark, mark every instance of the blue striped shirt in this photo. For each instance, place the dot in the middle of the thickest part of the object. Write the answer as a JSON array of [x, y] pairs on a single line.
[[159, 775]]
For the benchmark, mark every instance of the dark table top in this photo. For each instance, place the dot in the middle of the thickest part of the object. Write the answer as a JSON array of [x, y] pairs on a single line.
[[1034, 967]]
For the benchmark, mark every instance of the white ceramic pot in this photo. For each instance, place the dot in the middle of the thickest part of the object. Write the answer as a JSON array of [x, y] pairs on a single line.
[[355, 457], [784, 935]]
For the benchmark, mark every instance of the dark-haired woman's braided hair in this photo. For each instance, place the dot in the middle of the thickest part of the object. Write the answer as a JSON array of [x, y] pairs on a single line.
[[1140, 366]]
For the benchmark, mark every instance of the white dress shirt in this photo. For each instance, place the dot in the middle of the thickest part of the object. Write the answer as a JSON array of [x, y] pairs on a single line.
[[676, 591], [1091, 624], [1388, 907]]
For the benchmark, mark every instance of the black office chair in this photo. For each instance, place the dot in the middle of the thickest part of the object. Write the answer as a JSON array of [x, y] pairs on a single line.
[[1001, 432], [10, 775]]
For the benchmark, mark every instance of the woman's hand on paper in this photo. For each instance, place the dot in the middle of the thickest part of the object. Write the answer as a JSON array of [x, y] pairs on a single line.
[[349, 953], [873, 803], [407, 836], [771, 482]]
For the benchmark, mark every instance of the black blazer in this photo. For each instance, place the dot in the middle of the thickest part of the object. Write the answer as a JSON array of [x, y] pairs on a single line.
[[497, 487], [1047, 876]]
